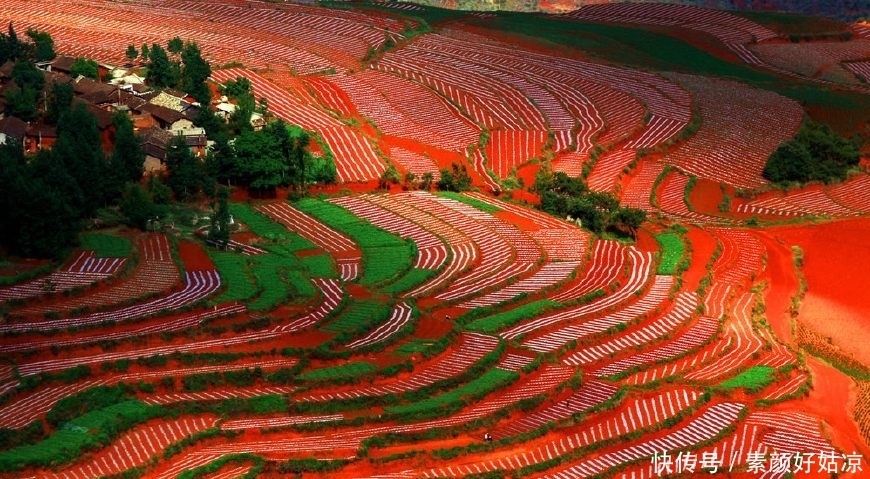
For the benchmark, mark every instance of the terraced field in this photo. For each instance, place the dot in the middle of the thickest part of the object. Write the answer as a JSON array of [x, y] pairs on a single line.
[[384, 334]]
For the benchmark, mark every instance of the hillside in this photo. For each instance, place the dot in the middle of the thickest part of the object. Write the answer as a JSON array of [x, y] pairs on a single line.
[[551, 251]]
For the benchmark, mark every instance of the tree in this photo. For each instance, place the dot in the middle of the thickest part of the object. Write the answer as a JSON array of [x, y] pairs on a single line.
[[220, 221], [195, 73], [816, 153], [161, 72], [22, 102], [79, 147], [144, 52], [85, 67], [175, 45], [131, 52], [59, 101], [388, 177], [128, 157], [185, 170], [138, 207], [43, 45], [426, 181]]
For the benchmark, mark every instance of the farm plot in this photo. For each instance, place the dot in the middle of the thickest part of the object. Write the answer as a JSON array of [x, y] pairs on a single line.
[[84, 270], [471, 348], [811, 200], [639, 275], [406, 109], [853, 193], [135, 448], [684, 308], [740, 127], [385, 257], [155, 273], [673, 197], [822, 60], [732, 30], [340, 247]]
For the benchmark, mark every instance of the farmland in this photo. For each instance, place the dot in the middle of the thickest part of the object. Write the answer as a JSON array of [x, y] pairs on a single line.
[[382, 326]]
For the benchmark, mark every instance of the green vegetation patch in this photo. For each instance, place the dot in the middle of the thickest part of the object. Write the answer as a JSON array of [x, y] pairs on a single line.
[[359, 316], [339, 373], [414, 346], [106, 245], [385, 256], [799, 27], [491, 324], [235, 275], [319, 266], [481, 205], [673, 250], [636, 46], [753, 379], [816, 153], [264, 227], [490, 381], [88, 432], [409, 280]]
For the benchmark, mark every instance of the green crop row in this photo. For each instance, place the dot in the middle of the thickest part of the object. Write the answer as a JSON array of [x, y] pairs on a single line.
[[385, 256], [88, 432], [106, 245], [754, 379], [481, 205], [235, 274], [410, 280], [358, 317], [339, 373], [263, 226], [490, 381], [495, 322], [673, 250]]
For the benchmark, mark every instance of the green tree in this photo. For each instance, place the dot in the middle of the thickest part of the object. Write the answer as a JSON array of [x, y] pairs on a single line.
[[59, 101], [43, 45], [185, 170], [220, 220], [162, 73], [175, 45], [79, 147], [22, 102], [131, 52], [85, 67], [144, 52], [138, 207], [195, 73], [128, 157], [816, 153]]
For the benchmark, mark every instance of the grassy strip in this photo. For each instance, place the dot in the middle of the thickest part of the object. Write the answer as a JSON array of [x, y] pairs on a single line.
[[753, 379], [385, 256], [339, 373], [106, 245], [91, 431], [319, 266], [217, 464], [481, 205], [490, 381], [358, 317], [409, 281], [672, 251], [264, 227], [235, 275], [491, 324]]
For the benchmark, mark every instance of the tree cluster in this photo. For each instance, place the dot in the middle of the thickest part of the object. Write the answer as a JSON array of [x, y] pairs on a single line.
[[180, 66], [39, 47], [454, 179], [600, 212], [816, 153], [47, 196]]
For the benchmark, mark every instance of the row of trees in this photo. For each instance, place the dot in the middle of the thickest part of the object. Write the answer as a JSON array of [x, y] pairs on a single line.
[[600, 212], [816, 153]]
